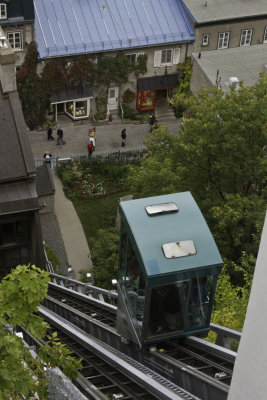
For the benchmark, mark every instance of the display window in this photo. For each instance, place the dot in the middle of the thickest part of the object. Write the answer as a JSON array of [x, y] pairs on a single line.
[[146, 100], [77, 109]]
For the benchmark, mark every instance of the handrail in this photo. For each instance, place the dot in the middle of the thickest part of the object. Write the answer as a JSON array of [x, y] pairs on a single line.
[[122, 112], [49, 265]]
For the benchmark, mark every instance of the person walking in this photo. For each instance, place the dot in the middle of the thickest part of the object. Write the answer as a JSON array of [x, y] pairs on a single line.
[[123, 138], [92, 136], [90, 149], [60, 136], [49, 133], [152, 120], [47, 158]]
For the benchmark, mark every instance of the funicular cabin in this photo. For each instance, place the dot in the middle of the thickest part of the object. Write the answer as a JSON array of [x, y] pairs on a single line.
[[168, 269]]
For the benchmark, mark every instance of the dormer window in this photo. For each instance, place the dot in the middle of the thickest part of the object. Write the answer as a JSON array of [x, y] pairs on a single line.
[[3, 13]]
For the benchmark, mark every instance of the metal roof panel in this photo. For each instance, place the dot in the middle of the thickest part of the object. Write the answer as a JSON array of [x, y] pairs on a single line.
[[85, 26]]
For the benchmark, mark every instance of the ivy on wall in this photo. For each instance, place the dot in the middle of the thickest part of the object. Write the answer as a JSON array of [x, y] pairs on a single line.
[[69, 72]]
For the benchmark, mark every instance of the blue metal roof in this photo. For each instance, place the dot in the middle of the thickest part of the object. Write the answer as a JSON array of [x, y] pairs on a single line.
[[151, 232], [86, 26]]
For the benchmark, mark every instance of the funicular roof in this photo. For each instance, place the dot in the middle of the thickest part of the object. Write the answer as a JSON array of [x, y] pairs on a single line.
[[151, 232], [87, 26]]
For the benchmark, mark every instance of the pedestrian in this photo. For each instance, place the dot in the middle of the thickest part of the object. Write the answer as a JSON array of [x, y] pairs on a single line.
[[47, 158], [60, 136], [123, 138], [90, 149], [152, 120], [49, 133]]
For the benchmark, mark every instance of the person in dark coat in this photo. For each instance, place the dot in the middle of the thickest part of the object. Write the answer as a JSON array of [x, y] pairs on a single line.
[[60, 136], [152, 120], [123, 137], [49, 133]]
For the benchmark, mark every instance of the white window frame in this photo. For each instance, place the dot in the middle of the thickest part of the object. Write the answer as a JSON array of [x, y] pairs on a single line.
[[205, 39], [265, 35], [223, 40], [175, 56], [246, 36], [3, 11], [163, 59], [12, 34]]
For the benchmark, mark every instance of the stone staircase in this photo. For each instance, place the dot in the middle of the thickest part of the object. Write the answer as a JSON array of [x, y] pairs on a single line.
[[164, 112]]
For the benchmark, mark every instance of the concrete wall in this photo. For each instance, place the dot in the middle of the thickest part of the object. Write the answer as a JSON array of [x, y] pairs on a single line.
[[257, 26], [198, 78], [249, 378]]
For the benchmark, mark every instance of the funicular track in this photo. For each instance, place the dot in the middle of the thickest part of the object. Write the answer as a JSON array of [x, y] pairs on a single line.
[[199, 367], [107, 373]]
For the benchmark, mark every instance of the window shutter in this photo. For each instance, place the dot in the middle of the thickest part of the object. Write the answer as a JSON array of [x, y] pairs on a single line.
[[157, 58], [176, 55], [140, 54]]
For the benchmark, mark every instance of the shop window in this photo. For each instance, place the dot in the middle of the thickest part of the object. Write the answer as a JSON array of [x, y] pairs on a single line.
[[3, 12], [15, 40], [146, 100], [80, 108], [70, 108]]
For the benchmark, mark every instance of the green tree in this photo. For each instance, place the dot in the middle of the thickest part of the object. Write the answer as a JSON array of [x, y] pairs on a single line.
[[31, 88], [105, 257], [20, 295], [220, 156]]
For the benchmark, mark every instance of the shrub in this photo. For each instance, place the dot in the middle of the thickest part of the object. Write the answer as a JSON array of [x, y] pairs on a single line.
[[128, 96], [128, 112]]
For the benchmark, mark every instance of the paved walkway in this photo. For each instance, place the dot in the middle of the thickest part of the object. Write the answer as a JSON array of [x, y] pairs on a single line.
[[71, 246]]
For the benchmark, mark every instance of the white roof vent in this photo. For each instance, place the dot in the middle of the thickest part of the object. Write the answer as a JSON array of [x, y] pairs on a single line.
[[234, 81]]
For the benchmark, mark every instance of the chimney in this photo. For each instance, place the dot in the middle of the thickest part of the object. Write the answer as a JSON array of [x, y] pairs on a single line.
[[7, 65]]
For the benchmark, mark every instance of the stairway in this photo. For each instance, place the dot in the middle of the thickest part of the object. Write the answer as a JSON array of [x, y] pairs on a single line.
[[164, 112]]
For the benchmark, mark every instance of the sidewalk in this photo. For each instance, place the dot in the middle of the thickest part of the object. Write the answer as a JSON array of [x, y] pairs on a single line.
[[75, 243]]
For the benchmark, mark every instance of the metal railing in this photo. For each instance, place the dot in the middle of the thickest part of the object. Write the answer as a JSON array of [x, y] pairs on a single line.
[[129, 156]]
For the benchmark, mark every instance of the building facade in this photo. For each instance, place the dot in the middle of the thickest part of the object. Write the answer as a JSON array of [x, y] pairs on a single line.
[[17, 23]]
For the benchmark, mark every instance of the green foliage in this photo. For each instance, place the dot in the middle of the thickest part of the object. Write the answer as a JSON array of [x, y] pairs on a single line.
[[230, 302], [52, 257], [105, 257], [140, 66], [128, 112], [219, 156], [128, 96], [21, 292], [31, 88], [179, 100]]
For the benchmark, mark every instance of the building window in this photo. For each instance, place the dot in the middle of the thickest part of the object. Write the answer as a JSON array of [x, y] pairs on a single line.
[[265, 35], [15, 40], [131, 58], [3, 13], [223, 40], [246, 35], [166, 56], [205, 40]]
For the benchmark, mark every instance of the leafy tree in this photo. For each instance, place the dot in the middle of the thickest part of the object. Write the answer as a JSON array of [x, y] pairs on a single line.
[[105, 256], [32, 90], [20, 295], [219, 156]]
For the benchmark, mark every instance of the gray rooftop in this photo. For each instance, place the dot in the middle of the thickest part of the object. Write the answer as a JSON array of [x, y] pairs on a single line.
[[218, 10], [245, 63], [16, 159]]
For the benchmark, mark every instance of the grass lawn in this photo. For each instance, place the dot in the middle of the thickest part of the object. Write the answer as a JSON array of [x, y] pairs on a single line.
[[96, 214]]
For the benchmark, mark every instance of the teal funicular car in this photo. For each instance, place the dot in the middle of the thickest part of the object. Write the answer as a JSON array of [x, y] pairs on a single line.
[[168, 269]]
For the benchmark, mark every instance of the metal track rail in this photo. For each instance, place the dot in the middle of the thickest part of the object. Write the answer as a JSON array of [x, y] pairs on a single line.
[[115, 375], [198, 366]]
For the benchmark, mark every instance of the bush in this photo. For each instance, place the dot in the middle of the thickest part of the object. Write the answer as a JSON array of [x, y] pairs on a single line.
[[128, 112], [99, 116], [144, 117], [128, 96]]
